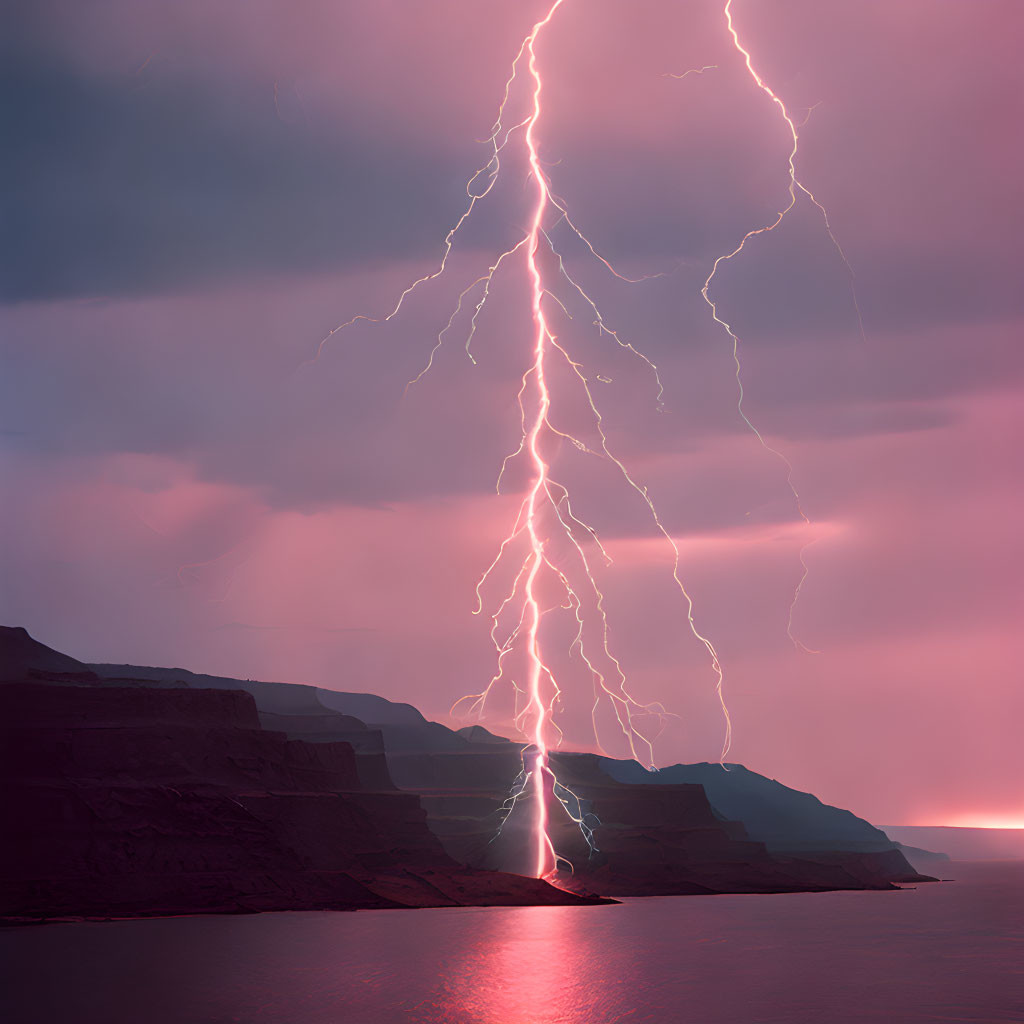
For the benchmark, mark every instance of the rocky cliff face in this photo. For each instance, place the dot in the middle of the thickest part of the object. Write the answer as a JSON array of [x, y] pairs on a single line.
[[427, 757], [130, 801], [646, 840], [663, 833], [782, 818]]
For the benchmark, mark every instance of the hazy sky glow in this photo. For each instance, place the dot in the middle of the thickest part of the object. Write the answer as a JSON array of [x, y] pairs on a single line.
[[200, 192]]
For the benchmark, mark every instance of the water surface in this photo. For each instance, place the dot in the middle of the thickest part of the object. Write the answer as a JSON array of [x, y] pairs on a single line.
[[945, 952]]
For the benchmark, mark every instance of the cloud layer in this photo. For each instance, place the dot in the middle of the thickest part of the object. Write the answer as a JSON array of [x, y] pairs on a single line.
[[198, 196]]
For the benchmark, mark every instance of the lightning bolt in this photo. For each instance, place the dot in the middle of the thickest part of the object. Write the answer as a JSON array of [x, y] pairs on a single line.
[[692, 71], [541, 693], [549, 547], [547, 506], [794, 186]]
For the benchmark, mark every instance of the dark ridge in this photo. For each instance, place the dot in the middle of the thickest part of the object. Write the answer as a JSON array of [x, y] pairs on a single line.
[[685, 829]]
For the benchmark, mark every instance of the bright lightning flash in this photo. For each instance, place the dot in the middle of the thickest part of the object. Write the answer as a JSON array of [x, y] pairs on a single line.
[[549, 548], [546, 504]]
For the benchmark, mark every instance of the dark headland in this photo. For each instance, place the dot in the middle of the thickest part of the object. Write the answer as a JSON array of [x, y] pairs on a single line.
[[132, 791]]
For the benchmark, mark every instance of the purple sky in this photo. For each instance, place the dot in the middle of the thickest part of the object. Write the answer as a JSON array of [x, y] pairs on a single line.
[[198, 193]]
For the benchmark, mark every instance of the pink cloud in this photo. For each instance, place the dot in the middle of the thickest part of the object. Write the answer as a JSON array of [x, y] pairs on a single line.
[[186, 493]]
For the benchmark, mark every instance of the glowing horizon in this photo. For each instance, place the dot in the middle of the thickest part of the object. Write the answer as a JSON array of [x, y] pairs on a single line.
[[996, 822]]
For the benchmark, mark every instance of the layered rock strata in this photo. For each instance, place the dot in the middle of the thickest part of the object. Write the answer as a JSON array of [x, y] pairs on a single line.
[[131, 801]]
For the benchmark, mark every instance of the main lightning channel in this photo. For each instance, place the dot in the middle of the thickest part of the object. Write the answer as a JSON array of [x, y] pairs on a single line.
[[546, 503], [545, 860]]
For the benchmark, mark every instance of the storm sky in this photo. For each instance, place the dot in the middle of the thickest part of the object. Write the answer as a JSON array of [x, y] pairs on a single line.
[[196, 193]]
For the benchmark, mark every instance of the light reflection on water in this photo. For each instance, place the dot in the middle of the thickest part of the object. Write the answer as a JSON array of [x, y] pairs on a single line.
[[538, 966], [936, 953]]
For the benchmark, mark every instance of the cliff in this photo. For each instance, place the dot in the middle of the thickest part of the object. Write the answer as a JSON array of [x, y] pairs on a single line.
[[647, 840], [686, 829], [961, 843], [130, 802], [782, 818]]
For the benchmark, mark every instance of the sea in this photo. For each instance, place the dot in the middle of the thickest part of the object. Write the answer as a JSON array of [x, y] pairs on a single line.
[[947, 951]]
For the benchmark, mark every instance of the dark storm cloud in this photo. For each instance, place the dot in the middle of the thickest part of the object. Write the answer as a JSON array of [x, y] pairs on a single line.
[[130, 184], [185, 172]]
